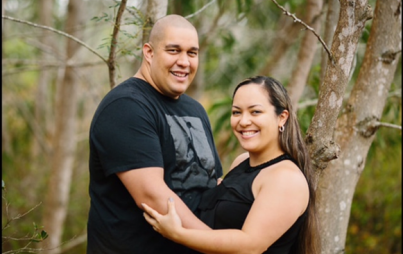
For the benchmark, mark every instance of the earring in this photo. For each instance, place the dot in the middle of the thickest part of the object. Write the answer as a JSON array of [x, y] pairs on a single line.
[[281, 128]]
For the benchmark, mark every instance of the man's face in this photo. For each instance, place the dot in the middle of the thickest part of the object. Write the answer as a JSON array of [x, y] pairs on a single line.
[[174, 61]]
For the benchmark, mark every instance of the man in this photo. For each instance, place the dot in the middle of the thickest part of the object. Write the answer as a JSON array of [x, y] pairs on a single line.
[[148, 142]]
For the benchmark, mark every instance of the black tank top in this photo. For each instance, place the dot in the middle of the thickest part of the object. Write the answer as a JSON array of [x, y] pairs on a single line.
[[228, 204]]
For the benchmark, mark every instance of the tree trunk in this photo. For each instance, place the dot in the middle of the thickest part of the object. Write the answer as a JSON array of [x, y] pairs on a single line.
[[319, 138], [287, 33], [5, 139], [64, 142], [156, 9], [356, 127], [42, 106], [306, 53], [333, 8]]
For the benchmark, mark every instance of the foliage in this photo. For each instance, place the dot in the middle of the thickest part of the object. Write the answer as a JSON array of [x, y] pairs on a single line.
[[20, 243], [236, 47]]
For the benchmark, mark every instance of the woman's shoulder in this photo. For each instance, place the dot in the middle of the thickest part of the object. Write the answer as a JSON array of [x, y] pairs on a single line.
[[283, 174], [285, 170], [284, 180]]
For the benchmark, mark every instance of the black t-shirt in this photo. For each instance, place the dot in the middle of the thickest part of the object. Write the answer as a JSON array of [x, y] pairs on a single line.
[[136, 127]]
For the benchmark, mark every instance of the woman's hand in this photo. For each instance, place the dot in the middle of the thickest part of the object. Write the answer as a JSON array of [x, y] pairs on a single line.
[[167, 225]]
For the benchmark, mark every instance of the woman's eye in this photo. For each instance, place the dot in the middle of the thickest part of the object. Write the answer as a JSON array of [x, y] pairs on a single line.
[[235, 113], [256, 112]]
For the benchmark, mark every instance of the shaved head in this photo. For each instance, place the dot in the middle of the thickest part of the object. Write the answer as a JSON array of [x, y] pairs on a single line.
[[158, 31], [171, 56]]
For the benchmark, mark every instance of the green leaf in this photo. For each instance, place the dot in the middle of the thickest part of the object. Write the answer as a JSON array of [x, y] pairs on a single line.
[[44, 234]]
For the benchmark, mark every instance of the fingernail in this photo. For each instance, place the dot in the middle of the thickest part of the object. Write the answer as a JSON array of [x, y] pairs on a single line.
[[171, 199]]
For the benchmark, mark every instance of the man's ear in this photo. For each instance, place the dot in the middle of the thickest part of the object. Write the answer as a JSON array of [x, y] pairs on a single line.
[[148, 52]]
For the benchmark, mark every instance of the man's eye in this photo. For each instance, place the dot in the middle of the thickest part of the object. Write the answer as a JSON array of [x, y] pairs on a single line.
[[193, 53], [173, 50]]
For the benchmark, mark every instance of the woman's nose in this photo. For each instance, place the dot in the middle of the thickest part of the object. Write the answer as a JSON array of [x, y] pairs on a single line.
[[245, 120]]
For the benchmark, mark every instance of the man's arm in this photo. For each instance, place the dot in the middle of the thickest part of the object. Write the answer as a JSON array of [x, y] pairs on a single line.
[[147, 185]]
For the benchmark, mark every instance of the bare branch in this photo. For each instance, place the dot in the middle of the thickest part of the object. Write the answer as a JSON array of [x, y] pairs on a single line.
[[73, 243], [114, 43], [307, 27], [58, 32], [389, 125], [202, 9], [48, 64]]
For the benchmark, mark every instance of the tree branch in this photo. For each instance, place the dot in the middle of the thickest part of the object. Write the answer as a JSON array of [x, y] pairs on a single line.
[[73, 243], [58, 32], [114, 43], [307, 27], [202, 9], [389, 125]]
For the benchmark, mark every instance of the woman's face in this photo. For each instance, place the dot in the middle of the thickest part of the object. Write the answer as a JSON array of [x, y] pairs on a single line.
[[254, 121]]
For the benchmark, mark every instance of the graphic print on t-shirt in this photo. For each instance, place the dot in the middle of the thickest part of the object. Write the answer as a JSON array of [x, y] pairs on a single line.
[[194, 158]]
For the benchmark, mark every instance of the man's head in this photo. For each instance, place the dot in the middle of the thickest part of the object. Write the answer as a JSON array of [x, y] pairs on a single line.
[[171, 56]]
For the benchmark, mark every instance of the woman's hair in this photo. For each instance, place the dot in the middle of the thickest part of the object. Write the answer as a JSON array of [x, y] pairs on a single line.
[[292, 143]]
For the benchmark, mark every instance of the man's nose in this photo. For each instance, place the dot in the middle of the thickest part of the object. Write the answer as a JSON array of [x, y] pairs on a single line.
[[183, 60]]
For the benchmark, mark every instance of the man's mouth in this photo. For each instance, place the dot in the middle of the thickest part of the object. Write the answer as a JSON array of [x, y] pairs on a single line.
[[179, 74]]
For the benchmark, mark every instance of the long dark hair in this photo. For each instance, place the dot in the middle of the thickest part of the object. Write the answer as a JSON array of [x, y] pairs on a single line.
[[292, 143]]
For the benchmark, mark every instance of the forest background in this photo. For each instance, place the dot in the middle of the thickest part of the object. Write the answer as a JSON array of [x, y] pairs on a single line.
[[58, 61]]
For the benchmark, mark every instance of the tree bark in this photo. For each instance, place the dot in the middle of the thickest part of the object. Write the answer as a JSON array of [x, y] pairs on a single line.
[[358, 123], [64, 141], [306, 53], [287, 33], [319, 138], [156, 9], [333, 9], [114, 45], [5, 139], [42, 107]]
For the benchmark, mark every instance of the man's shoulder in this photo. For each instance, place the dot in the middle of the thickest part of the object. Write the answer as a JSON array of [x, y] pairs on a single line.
[[186, 99]]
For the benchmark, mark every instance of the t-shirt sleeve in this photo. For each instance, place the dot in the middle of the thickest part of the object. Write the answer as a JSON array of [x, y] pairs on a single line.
[[125, 137]]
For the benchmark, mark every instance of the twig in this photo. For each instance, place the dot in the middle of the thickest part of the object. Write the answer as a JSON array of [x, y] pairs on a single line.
[[73, 243], [9, 220], [114, 43], [202, 9], [307, 27], [48, 64], [394, 126], [58, 32]]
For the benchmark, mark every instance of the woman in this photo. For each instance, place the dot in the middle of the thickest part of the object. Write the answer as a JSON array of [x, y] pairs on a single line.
[[266, 202]]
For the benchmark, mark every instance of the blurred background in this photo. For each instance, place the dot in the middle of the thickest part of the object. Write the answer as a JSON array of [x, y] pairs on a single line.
[[238, 39]]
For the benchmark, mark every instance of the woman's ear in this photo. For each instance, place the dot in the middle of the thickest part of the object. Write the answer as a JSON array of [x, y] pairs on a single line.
[[284, 117]]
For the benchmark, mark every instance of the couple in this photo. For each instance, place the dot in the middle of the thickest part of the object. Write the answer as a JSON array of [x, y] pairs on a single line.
[[153, 161]]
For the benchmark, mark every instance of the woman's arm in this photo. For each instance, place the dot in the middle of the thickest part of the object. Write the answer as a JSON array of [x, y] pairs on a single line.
[[206, 241], [281, 196]]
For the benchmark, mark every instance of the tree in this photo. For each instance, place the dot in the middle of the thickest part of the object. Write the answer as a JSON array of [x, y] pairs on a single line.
[[64, 139], [356, 127], [236, 40]]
